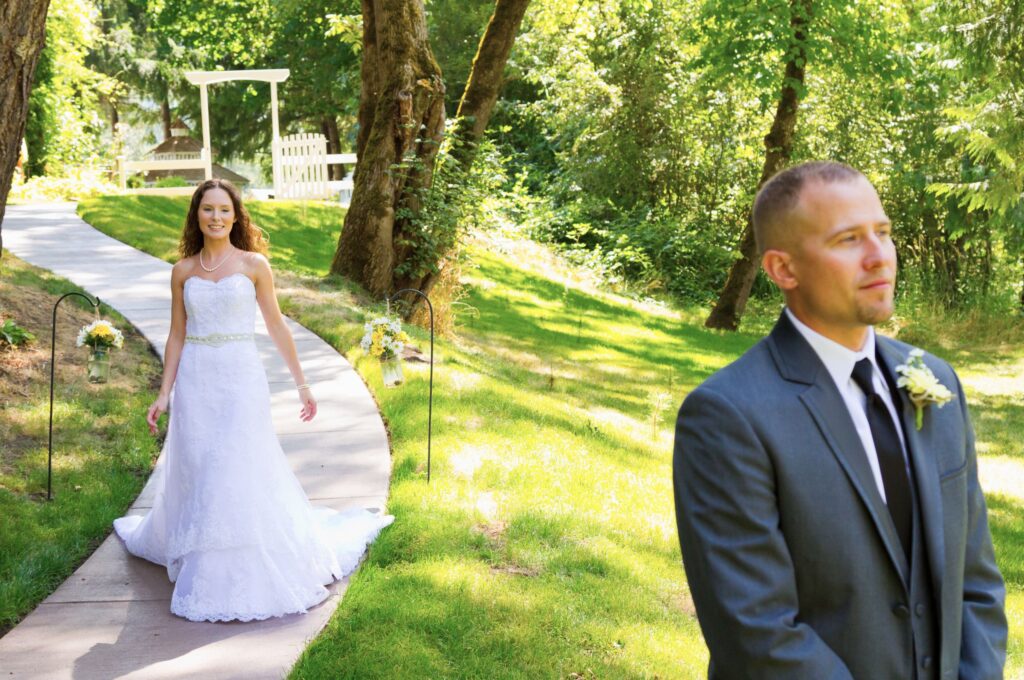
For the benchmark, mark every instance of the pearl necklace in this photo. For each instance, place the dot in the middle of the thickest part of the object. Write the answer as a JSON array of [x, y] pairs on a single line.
[[217, 266]]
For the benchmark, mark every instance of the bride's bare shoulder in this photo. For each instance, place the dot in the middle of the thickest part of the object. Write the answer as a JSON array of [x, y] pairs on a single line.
[[256, 265], [184, 268]]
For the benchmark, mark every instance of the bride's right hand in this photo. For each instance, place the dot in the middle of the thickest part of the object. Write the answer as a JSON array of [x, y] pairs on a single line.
[[156, 409]]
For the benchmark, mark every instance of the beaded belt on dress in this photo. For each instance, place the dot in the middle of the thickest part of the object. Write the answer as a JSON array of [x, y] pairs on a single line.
[[218, 339]]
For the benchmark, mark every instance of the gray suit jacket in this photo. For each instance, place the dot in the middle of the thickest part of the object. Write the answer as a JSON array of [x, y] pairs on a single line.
[[792, 559]]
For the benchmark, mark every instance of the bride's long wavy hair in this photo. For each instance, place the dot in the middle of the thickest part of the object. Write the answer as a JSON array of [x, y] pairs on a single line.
[[244, 234]]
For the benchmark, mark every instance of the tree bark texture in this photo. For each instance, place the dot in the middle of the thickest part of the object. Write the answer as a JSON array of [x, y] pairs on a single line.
[[475, 108], [487, 77], [329, 127], [22, 34], [778, 145], [401, 117]]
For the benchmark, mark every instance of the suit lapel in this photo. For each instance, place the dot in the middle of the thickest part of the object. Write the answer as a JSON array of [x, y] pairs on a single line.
[[797, 362], [926, 473]]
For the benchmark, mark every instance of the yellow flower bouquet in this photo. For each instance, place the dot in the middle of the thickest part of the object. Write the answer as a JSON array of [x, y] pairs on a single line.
[[100, 334], [384, 339]]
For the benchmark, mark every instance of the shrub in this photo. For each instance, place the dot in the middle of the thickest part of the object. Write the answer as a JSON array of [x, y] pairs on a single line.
[[82, 182], [172, 181], [13, 335]]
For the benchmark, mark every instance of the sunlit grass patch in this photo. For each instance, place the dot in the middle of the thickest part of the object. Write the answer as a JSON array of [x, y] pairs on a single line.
[[302, 234]]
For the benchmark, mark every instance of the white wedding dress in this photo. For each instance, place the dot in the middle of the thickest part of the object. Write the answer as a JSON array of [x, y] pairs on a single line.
[[230, 521]]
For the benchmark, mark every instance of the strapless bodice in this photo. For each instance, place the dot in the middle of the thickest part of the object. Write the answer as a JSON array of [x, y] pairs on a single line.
[[220, 308]]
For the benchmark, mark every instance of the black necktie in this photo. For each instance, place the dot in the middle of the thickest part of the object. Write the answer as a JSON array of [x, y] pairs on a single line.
[[890, 454]]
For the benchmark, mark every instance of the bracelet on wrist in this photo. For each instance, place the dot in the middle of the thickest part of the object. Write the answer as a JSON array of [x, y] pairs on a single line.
[[303, 386]]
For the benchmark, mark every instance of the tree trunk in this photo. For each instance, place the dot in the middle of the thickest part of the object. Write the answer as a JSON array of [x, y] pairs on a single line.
[[22, 34], [486, 77], [401, 116], [165, 115], [475, 108], [329, 127], [778, 150]]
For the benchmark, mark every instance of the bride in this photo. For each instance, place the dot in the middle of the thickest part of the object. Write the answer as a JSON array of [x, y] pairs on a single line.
[[230, 521]]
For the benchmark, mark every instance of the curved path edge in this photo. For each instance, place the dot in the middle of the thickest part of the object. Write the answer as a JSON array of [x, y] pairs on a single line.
[[111, 618]]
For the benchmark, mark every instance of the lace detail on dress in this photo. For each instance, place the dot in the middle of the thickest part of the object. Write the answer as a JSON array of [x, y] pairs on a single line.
[[229, 520]]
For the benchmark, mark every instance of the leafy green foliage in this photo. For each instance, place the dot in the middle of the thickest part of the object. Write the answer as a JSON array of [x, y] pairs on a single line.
[[63, 126], [259, 34], [13, 335], [630, 132], [172, 181], [985, 39], [455, 28], [455, 202]]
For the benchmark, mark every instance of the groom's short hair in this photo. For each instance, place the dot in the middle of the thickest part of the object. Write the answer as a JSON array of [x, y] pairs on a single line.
[[774, 203]]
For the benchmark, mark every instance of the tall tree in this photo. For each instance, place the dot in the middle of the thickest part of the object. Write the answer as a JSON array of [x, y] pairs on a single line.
[[22, 34], [778, 147], [401, 123], [421, 270], [855, 39], [486, 77]]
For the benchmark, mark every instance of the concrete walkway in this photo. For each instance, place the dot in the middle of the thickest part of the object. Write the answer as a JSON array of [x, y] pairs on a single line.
[[111, 618]]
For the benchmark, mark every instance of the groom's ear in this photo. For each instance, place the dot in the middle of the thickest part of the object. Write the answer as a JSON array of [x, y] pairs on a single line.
[[778, 265]]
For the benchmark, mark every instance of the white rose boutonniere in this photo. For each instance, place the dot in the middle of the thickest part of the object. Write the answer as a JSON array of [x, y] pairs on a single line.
[[921, 385]]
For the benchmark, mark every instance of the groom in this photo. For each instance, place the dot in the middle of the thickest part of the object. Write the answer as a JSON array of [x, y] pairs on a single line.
[[824, 534]]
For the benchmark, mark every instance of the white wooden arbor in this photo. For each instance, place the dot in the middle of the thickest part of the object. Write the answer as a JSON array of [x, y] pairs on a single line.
[[299, 161], [206, 78]]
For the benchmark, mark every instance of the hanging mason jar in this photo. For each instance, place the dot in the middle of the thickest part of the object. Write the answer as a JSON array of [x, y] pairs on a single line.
[[99, 336], [391, 371], [99, 365]]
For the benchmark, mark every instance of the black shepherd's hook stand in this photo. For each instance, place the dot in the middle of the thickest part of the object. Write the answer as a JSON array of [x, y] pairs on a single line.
[[430, 402], [53, 360]]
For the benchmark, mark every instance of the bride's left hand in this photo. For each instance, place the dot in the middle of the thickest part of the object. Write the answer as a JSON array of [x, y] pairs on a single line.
[[308, 402]]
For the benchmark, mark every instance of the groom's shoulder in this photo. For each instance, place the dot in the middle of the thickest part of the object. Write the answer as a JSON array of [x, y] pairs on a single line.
[[746, 378]]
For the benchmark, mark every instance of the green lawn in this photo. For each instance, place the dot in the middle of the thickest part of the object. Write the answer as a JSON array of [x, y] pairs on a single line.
[[302, 234], [102, 449], [545, 544]]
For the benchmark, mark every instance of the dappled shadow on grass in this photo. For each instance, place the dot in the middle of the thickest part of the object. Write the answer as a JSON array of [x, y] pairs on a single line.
[[1006, 520], [621, 377], [507, 417], [437, 598], [999, 424], [102, 450], [539, 318]]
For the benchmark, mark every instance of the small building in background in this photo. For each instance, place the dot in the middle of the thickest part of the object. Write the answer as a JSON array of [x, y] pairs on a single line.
[[180, 146]]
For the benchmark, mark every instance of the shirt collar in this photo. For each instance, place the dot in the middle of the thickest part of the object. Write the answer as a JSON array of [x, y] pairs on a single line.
[[838, 360]]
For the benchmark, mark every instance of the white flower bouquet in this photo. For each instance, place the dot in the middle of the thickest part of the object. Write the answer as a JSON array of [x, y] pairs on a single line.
[[384, 338]]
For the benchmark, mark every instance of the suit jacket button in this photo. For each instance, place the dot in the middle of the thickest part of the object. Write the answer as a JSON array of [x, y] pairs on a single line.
[[926, 662], [901, 611], [919, 609]]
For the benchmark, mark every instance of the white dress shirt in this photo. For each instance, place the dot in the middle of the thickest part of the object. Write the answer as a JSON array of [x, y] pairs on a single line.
[[839, 362]]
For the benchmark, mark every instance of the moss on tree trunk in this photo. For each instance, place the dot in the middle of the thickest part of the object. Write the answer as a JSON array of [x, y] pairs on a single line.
[[401, 118]]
